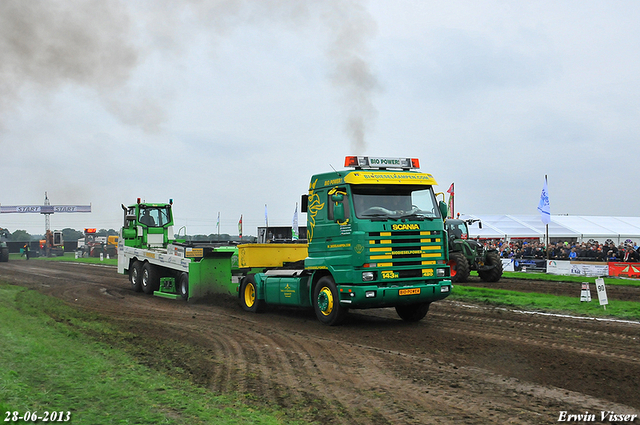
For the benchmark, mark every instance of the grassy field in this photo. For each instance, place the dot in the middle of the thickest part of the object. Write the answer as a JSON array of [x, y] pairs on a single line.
[[628, 310], [51, 364]]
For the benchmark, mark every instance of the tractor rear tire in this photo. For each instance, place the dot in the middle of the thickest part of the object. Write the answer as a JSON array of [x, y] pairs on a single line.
[[413, 312], [459, 267], [494, 274], [135, 276]]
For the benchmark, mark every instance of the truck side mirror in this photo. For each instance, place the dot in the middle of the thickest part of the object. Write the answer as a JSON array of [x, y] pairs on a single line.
[[444, 211], [338, 206], [304, 203]]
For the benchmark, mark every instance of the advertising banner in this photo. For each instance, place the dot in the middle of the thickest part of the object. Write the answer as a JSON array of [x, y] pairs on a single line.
[[532, 265], [624, 269], [507, 265], [577, 268], [559, 267]]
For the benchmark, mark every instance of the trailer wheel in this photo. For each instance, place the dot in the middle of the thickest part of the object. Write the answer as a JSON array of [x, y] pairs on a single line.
[[183, 285], [249, 295], [326, 302], [459, 267], [150, 280], [413, 312], [135, 275]]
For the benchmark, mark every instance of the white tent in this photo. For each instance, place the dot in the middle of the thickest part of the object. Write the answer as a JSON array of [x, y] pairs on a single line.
[[580, 228]]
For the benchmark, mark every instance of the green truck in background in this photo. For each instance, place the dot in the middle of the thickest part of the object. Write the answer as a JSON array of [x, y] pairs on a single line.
[[4, 249], [158, 263], [375, 238]]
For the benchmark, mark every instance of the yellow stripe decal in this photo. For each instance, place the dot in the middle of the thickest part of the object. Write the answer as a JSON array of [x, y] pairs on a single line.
[[382, 249], [381, 257]]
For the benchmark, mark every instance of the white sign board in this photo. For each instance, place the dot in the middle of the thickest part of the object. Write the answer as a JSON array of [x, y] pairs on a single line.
[[602, 292]]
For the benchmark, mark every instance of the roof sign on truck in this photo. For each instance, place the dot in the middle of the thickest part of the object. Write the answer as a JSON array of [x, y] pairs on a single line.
[[360, 162]]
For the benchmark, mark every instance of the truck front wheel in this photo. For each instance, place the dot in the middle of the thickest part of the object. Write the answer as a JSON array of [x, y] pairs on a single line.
[[413, 312], [249, 295], [326, 302], [135, 275]]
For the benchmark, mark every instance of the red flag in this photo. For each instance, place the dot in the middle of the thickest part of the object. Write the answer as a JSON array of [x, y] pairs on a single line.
[[240, 226]]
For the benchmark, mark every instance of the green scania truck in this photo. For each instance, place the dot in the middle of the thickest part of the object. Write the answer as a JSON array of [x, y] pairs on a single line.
[[375, 238]]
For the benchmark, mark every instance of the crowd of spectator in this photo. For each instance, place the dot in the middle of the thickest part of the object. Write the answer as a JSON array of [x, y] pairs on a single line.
[[584, 251]]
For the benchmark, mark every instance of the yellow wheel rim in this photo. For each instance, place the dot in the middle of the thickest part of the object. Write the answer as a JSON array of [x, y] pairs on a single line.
[[325, 301], [249, 295]]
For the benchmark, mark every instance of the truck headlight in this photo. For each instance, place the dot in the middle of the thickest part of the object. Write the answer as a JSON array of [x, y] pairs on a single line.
[[441, 273], [370, 294], [368, 276]]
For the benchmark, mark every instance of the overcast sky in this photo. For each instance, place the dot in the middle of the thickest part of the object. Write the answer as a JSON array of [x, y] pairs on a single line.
[[225, 106]]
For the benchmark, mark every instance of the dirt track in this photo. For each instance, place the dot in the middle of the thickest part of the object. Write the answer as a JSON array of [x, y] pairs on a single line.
[[462, 364]]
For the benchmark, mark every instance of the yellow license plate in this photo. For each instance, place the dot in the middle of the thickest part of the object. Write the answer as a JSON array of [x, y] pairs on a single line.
[[412, 291]]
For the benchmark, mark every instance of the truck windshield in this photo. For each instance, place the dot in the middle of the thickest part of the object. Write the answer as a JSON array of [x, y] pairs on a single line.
[[154, 216], [394, 202]]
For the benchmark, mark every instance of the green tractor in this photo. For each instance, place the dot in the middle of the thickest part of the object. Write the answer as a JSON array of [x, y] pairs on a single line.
[[466, 254]]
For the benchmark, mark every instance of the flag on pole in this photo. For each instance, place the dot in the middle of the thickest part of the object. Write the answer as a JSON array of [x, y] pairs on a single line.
[[543, 205], [450, 192], [218, 223], [294, 227], [240, 226], [266, 218]]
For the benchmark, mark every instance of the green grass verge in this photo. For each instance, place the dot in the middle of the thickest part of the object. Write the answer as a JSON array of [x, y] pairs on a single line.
[[68, 256], [628, 310], [561, 278], [49, 363]]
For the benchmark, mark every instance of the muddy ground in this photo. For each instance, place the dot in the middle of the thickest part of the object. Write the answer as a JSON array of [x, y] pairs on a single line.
[[463, 363]]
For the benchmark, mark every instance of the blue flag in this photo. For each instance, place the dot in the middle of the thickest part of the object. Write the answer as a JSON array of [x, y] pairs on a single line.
[[543, 205]]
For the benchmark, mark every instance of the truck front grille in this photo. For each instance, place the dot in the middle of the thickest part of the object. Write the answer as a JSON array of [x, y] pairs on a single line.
[[404, 255]]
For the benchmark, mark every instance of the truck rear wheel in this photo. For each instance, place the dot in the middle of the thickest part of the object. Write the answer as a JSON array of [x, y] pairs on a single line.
[[150, 280], [494, 274], [413, 312], [326, 302], [183, 285], [249, 295], [459, 267], [135, 276]]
